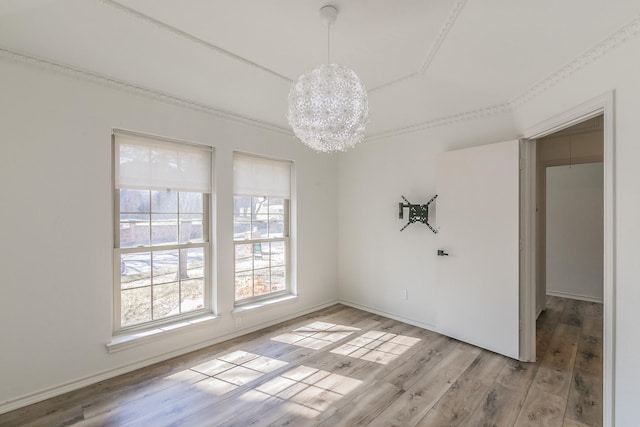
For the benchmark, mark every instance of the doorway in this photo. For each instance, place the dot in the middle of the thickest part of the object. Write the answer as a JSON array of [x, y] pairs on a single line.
[[601, 108], [569, 201]]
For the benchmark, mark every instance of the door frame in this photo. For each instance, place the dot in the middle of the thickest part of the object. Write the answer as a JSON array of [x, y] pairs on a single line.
[[601, 105]]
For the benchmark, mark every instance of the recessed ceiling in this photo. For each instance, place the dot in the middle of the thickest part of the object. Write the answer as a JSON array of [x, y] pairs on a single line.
[[421, 60]]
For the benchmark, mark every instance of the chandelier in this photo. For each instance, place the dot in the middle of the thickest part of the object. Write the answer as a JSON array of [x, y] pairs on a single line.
[[328, 107]]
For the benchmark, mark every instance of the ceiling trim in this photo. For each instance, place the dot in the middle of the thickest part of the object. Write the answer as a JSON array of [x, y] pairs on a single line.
[[139, 90], [618, 38], [445, 120], [146, 18], [431, 53], [622, 35]]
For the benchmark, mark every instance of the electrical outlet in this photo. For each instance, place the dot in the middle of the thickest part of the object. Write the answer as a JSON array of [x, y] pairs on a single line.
[[404, 294]]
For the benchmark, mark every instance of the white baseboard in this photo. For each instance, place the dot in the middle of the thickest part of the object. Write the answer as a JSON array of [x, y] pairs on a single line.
[[48, 393], [402, 319], [574, 296]]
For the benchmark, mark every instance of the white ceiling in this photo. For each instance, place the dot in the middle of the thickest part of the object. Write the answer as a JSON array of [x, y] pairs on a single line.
[[422, 60]]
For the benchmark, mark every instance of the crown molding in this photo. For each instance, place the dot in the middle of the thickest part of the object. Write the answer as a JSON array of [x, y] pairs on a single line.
[[618, 38], [445, 120], [430, 55], [139, 90], [433, 50], [182, 34], [621, 36]]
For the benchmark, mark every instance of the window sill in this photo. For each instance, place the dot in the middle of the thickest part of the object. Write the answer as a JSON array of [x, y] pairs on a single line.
[[134, 339], [265, 303]]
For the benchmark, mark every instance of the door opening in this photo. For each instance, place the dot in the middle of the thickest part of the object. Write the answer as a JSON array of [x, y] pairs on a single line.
[[536, 283]]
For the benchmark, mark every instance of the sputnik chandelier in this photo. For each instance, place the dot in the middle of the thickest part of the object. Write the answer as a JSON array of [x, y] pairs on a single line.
[[328, 107]]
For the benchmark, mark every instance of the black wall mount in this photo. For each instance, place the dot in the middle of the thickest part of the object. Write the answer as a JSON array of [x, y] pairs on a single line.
[[417, 213]]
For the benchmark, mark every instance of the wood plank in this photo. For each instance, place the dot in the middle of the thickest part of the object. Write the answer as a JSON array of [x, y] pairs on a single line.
[[410, 372], [589, 354], [574, 312], [503, 401], [412, 406], [585, 398], [547, 322], [562, 348], [553, 381], [500, 407], [363, 409], [541, 409], [465, 395]]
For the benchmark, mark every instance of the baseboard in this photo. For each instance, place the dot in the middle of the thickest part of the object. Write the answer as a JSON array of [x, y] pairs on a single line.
[[574, 296], [51, 392], [402, 319]]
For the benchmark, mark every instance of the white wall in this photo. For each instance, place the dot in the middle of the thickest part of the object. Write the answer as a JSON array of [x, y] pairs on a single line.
[[574, 231], [377, 261], [618, 70], [56, 239]]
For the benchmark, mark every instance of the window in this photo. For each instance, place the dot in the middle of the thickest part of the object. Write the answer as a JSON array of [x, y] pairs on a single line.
[[261, 214], [162, 196]]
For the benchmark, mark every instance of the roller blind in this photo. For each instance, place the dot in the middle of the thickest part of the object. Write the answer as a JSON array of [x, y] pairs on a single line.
[[148, 163], [258, 176]]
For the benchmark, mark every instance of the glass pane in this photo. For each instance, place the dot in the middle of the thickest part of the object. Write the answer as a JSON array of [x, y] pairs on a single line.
[[241, 228], [244, 257], [164, 201], [191, 228], [261, 255], [134, 230], [164, 229], [135, 270], [244, 287], [192, 295], [278, 279], [276, 226], [259, 229], [166, 300], [191, 202], [135, 306], [278, 253], [242, 206], [195, 263], [165, 266], [259, 205], [276, 206], [134, 201], [261, 281]]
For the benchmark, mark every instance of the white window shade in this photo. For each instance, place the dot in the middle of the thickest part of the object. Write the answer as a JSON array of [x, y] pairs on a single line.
[[258, 176], [146, 163]]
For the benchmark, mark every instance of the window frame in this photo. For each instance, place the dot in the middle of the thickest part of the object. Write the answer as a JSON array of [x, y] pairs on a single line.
[[206, 245], [250, 181], [286, 239]]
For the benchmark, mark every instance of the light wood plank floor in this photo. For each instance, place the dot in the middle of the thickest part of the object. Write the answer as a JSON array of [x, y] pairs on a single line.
[[345, 367]]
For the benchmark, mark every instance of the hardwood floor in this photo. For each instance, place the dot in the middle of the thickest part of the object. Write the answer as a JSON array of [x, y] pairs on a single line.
[[345, 367]]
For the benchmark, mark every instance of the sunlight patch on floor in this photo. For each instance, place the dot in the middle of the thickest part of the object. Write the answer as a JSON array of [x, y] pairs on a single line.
[[316, 335], [376, 346], [229, 371], [308, 391]]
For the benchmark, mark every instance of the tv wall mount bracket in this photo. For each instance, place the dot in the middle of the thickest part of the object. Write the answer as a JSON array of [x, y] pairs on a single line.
[[417, 213]]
